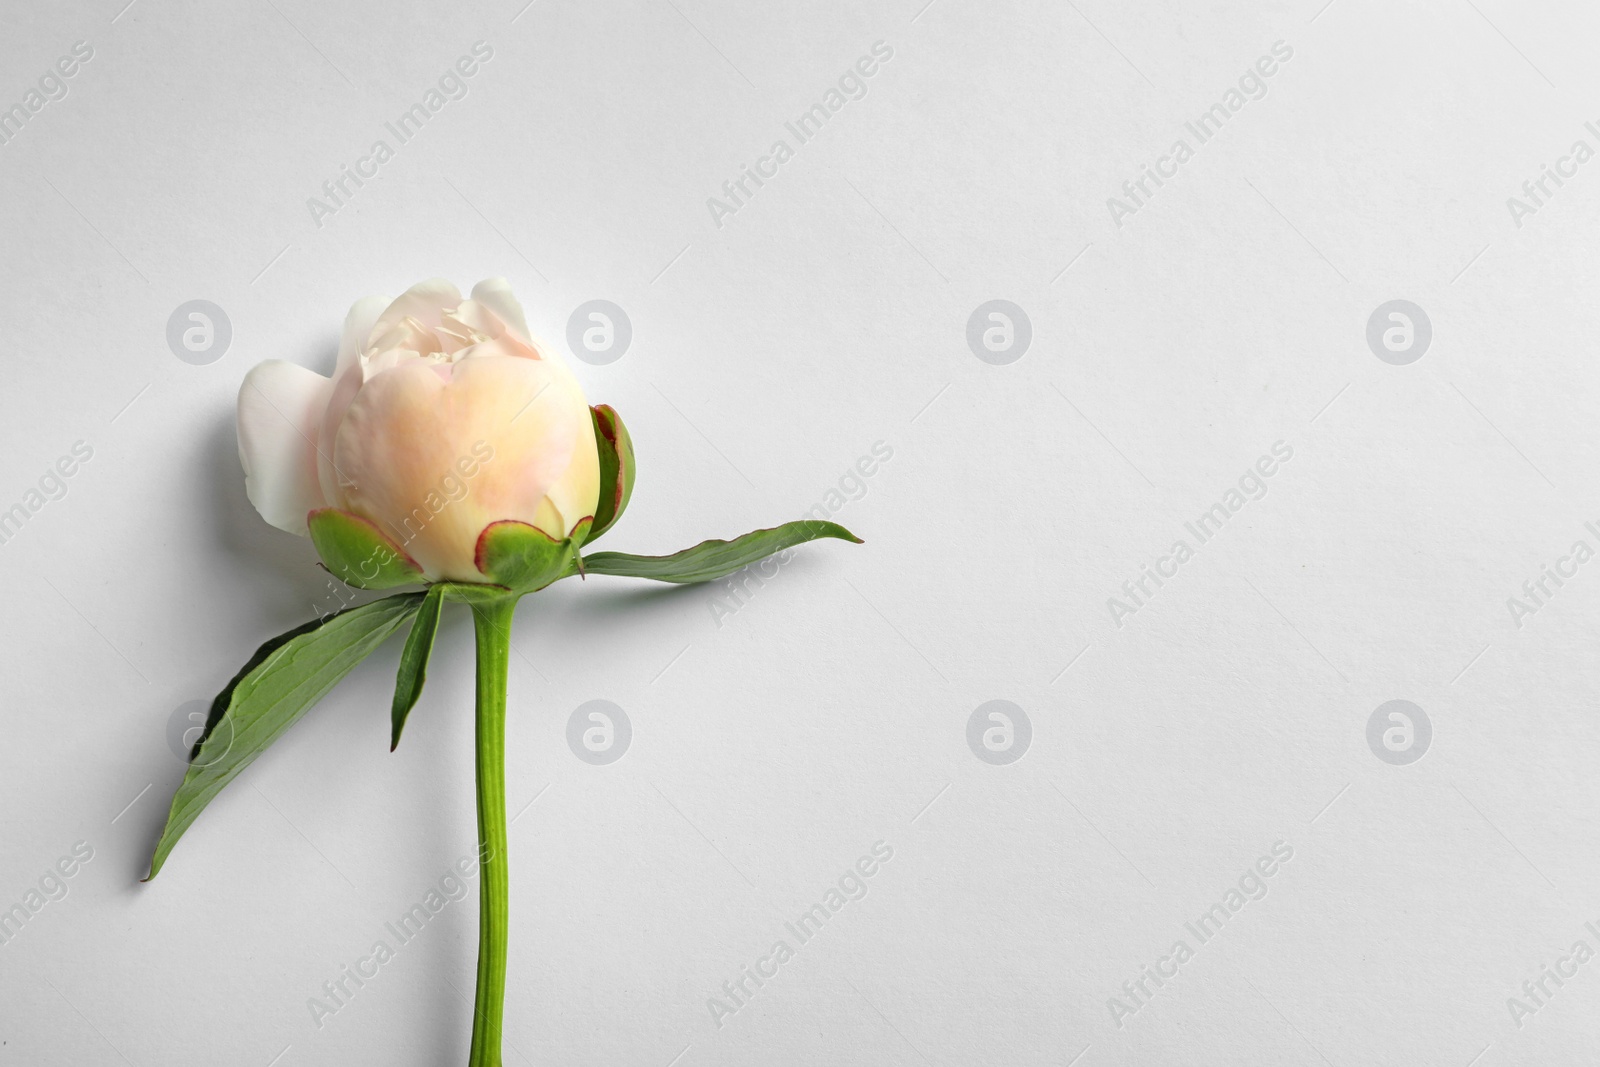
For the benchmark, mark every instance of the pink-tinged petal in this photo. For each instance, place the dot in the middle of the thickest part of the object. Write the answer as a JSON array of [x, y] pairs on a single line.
[[496, 436], [575, 494], [357, 329], [507, 344], [280, 407], [422, 302], [344, 389], [347, 378], [495, 294]]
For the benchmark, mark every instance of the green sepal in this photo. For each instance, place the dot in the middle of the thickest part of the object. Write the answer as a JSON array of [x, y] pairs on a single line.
[[476, 594], [359, 553], [270, 693], [522, 557], [710, 560], [616, 469], [414, 661], [579, 537]]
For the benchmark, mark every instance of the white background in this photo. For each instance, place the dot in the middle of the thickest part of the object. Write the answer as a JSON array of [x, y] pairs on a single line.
[[829, 712]]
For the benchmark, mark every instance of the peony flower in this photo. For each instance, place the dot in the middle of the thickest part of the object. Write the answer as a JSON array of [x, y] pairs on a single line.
[[442, 417], [450, 450]]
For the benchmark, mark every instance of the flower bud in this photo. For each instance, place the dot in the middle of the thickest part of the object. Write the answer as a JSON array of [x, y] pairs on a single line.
[[443, 416]]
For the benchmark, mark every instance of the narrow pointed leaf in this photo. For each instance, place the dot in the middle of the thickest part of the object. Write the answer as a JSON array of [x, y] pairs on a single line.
[[356, 551], [714, 559], [414, 661], [270, 693], [616, 469]]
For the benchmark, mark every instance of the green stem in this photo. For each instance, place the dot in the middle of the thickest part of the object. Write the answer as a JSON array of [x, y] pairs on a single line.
[[493, 628]]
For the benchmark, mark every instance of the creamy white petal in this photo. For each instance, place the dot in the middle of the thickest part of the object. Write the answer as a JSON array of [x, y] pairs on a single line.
[[454, 334], [280, 410], [476, 317], [423, 301], [495, 294], [358, 327]]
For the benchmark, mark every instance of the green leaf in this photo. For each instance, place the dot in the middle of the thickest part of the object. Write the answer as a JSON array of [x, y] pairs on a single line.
[[616, 469], [522, 557], [270, 693], [713, 559], [414, 661], [355, 550]]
